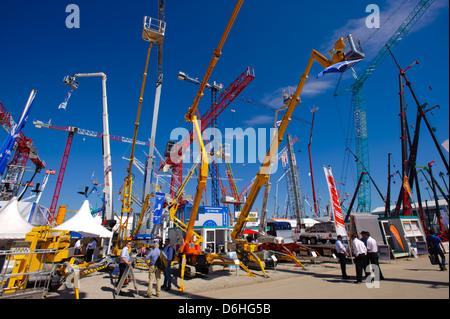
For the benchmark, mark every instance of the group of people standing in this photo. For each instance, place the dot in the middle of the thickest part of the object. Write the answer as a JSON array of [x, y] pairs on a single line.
[[365, 252], [154, 273], [78, 249]]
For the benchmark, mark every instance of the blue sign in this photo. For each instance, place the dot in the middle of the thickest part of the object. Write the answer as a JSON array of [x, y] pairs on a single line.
[[219, 210], [207, 216], [210, 223], [157, 212]]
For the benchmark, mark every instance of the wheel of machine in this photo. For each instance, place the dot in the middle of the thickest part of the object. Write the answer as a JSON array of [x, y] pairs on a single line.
[[313, 240], [305, 241], [210, 269], [56, 281], [190, 271]]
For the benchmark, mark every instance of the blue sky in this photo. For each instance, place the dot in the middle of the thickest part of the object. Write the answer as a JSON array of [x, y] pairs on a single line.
[[38, 50]]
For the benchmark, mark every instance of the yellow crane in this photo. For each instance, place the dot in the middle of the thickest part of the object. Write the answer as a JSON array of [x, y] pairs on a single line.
[[346, 49], [189, 248], [153, 32]]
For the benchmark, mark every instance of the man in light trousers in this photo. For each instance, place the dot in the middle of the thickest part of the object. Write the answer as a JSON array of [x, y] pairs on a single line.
[[154, 273]]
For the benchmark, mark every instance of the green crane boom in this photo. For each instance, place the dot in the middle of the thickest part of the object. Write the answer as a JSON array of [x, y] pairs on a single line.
[[359, 104]]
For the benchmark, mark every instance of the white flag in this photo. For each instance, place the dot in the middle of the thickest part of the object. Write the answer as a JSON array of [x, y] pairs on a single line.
[[445, 145], [336, 207]]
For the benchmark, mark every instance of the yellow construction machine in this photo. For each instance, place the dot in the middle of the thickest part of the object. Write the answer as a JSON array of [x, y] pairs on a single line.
[[190, 252], [345, 49], [41, 263], [153, 32], [31, 267]]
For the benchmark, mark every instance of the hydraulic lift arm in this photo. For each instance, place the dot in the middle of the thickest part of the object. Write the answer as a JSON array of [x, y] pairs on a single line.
[[217, 53], [203, 176], [189, 248], [263, 174]]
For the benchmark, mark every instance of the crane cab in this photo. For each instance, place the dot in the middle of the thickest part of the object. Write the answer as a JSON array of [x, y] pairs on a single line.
[[169, 147], [154, 30]]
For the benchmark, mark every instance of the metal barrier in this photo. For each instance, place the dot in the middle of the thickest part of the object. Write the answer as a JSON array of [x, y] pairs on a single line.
[[20, 278]]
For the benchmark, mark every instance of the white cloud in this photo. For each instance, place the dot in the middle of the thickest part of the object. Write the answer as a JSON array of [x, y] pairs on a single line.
[[392, 15], [315, 87], [259, 120]]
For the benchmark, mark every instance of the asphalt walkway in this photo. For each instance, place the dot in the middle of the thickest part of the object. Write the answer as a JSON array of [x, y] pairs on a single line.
[[405, 278]]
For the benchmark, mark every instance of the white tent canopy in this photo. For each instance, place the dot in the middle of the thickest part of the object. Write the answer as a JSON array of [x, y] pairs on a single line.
[[12, 224], [85, 224]]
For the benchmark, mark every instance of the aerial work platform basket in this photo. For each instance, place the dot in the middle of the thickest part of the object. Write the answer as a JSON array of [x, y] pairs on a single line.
[[154, 30], [352, 49]]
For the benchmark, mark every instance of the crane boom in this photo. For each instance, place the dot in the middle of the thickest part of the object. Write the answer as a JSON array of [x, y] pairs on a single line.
[[263, 174], [80, 131], [7, 121], [359, 106], [150, 160], [224, 100], [153, 32], [189, 117], [187, 248]]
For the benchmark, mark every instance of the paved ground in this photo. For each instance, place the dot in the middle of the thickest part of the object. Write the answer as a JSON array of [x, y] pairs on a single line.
[[406, 278]]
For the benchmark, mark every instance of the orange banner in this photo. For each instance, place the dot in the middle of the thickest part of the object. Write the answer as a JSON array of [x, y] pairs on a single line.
[[394, 232]]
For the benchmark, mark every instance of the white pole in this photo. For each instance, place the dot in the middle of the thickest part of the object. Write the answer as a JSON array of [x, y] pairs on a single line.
[[107, 156], [106, 147]]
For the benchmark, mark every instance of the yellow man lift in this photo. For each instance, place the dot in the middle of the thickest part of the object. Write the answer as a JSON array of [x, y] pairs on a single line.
[[344, 50]]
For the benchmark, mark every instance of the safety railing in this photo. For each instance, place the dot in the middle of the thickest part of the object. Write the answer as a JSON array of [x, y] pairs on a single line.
[[24, 273]]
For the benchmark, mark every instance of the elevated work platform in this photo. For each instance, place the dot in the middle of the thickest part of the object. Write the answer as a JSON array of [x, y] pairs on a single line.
[[154, 30]]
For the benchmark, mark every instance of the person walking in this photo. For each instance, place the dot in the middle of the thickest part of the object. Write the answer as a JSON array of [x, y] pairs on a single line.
[[342, 255], [434, 248], [169, 252], [124, 260], [372, 252], [154, 273], [360, 252], [90, 249]]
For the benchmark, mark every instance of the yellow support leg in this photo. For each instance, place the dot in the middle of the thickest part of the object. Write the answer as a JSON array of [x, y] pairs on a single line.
[[183, 266], [249, 273], [259, 262]]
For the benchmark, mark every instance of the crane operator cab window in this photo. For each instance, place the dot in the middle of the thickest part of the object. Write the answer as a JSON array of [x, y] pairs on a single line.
[[169, 146]]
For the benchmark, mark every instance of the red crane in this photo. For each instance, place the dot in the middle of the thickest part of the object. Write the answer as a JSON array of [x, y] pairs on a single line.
[[224, 100], [25, 149], [72, 130]]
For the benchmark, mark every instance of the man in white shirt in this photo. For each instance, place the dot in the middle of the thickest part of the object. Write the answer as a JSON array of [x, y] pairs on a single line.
[[341, 253], [78, 247], [372, 251], [360, 253], [90, 249], [124, 260]]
